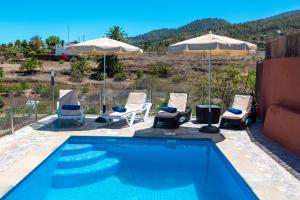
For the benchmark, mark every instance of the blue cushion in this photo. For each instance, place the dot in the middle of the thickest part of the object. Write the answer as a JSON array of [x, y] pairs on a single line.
[[168, 109], [71, 107], [235, 111], [119, 109]]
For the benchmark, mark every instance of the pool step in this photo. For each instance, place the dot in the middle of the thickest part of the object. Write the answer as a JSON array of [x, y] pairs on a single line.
[[84, 175], [80, 160], [71, 149]]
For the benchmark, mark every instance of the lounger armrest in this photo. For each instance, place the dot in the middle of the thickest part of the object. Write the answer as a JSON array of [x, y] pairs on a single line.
[[185, 116]]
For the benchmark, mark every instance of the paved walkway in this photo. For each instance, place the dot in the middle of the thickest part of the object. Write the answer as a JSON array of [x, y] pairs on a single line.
[[24, 150]]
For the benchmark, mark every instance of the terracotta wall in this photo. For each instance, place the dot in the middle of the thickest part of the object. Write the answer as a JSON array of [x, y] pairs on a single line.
[[282, 125], [279, 84]]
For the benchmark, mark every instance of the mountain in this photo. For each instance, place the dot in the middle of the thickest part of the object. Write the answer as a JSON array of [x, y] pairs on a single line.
[[285, 14], [258, 31], [193, 27]]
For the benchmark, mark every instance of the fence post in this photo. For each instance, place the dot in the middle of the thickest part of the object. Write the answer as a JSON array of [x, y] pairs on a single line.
[[202, 94], [100, 100], [35, 105], [151, 97], [11, 114]]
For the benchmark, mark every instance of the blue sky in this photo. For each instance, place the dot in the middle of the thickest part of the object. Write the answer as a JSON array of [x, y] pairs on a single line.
[[21, 19]]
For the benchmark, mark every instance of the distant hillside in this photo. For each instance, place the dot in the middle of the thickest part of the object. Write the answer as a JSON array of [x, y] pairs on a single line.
[[193, 27], [286, 14], [257, 32]]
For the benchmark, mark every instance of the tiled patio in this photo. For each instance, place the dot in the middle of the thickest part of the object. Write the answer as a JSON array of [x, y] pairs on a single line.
[[271, 171]]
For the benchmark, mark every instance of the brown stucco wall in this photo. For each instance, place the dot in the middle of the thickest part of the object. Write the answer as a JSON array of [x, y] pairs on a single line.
[[283, 126], [280, 85]]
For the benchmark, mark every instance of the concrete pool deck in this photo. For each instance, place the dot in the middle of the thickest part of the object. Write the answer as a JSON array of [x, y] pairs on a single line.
[[22, 151]]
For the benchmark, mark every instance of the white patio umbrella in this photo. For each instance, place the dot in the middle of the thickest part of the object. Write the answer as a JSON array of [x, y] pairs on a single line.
[[211, 44], [104, 46]]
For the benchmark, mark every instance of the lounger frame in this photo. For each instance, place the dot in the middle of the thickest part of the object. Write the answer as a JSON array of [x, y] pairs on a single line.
[[129, 117]]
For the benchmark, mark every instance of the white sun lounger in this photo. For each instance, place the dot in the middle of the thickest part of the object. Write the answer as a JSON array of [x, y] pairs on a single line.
[[69, 97], [136, 106]]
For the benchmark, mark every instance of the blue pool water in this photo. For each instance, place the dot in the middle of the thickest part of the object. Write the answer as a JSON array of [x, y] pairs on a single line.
[[133, 169]]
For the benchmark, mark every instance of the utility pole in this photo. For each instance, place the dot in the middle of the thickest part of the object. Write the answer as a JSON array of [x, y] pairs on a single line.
[[68, 34]]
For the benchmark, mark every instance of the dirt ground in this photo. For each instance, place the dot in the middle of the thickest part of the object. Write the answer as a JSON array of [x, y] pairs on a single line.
[[181, 64]]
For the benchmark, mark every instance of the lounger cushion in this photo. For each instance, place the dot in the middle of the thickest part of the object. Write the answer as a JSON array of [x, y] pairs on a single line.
[[229, 115], [178, 100], [119, 109], [136, 101], [235, 111], [242, 102], [168, 109], [167, 115], [71, 107]]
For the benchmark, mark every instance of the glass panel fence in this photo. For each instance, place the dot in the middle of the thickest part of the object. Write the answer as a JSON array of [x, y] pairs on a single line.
[[5, 120], [36, 103], [23, 105]]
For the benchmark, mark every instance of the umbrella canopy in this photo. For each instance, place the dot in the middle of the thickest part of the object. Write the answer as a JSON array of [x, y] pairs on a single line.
[[104, 46], [211, 44]]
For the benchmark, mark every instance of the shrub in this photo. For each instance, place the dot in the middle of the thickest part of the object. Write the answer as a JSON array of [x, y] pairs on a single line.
[[46, 91], [118, 68], [79, 69], [161, 70], [44, 108], [1, 102], [2, 74], [99, 76], [139, 74], [64, 57], [32, 53], [61, 62], [227, 83], [84, 90], [177, 79], [113, 66], [90, 110], [120, 76], [30, 65], [22, 86], [250, 81], [73, 59]]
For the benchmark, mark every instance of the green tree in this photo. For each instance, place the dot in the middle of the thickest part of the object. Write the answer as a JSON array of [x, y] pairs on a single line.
[[18, 43], [52, 42], [30, 65], [227, 83], [24, 44], [36, 43], [117, 33], [250, 81]]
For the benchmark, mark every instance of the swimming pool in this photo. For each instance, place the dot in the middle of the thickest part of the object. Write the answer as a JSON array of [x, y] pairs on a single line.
[[133, 168]]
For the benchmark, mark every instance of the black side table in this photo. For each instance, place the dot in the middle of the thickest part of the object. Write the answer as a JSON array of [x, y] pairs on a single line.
[[202, 113]]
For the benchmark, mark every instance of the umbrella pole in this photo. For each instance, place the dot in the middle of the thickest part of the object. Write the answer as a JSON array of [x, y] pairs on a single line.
[[104, 77], [209, 91], [209, 128]]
